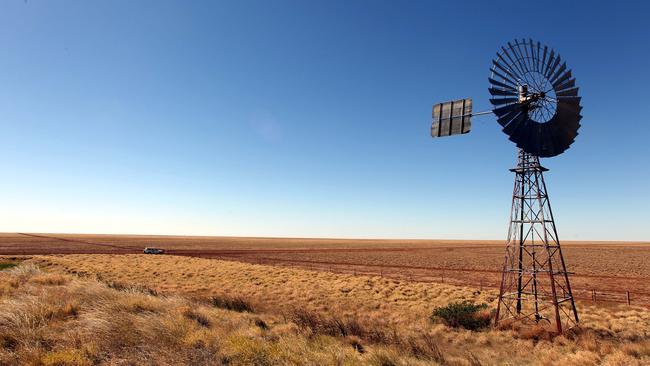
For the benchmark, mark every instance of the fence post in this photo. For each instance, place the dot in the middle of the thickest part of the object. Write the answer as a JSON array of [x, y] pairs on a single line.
[[593, 296], [442, 276], [628, 297], [481, 285]]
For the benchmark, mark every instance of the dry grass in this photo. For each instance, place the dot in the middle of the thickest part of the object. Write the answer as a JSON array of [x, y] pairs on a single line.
[[46, 321], [300, 317]]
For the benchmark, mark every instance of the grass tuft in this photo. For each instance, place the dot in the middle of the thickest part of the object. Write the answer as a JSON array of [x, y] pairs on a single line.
[[199, 318], [232, 303], [67, 357]]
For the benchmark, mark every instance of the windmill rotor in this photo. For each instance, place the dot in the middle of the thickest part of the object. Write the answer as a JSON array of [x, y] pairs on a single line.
[[535, 98]]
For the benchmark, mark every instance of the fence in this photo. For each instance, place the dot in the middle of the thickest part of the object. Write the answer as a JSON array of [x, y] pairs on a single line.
[[444, 275]]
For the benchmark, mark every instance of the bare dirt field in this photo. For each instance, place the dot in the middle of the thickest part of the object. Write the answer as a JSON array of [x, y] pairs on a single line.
[[608, 270]]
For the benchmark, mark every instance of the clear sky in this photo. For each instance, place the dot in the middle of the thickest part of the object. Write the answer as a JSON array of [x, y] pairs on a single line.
[[306, 118]]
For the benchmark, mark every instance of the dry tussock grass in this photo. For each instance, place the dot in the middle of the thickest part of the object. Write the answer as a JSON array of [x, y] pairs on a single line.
[[341, 319], [85, 322]]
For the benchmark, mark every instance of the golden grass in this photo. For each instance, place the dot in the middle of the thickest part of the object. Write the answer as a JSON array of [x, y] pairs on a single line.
[[385, 319], [39, 326]]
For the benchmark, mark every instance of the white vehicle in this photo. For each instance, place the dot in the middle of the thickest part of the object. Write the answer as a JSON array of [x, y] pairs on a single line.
[[153, 251]]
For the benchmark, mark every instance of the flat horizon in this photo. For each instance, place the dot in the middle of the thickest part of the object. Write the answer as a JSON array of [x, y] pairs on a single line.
[[313, 238]]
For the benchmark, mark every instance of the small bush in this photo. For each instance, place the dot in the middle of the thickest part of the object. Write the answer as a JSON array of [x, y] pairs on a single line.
[[464, 314], [232, 303], [6, 265]]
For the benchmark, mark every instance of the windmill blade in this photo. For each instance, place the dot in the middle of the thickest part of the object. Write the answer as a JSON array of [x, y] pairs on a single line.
[[558, 72], [551, 59], [562, 136], [559, 141], [573, 92], [547, 145], [566, 129], [534, 57], [501, 85], [524, 136], [551, 71], [518, 132], [508, 118], [568, 114], [515, 123], [561, 79], [569, 84], [504, 78], [536, 137], [538, 60], [568, 100], [512, 61], [500, 101], [522, 54], [495, 91], [529, 56], [504, 69], [568, 106], [517, 73], [502, 111], [543, 65], [519, 56], [516, 58]]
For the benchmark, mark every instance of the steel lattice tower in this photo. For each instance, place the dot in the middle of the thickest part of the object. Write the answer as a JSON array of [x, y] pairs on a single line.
[[535, 283]]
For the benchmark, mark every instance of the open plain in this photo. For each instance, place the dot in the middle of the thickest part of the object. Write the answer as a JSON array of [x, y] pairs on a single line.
[[613, 270], [97, 300]]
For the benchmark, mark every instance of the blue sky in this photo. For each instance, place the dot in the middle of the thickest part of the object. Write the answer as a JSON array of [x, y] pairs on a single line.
[[305, 118]]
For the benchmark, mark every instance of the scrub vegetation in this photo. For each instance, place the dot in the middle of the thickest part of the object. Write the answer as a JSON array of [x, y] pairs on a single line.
[[164, 310]]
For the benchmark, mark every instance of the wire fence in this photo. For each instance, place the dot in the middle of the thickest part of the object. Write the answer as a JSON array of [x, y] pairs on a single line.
[[448, 276]]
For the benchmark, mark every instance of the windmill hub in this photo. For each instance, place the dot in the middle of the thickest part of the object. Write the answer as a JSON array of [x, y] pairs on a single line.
[[531, 100]]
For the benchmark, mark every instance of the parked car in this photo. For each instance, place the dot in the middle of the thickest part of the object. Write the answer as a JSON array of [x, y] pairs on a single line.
[[153, 251]]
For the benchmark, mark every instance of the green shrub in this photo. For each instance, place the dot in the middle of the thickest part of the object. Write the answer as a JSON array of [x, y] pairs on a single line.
[[7, 265], [464, 314]]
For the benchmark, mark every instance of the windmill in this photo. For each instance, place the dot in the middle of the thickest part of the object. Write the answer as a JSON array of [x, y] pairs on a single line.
[[537, 105]]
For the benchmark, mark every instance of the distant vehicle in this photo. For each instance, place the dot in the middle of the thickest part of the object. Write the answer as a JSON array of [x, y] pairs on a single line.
[[153, 251]]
